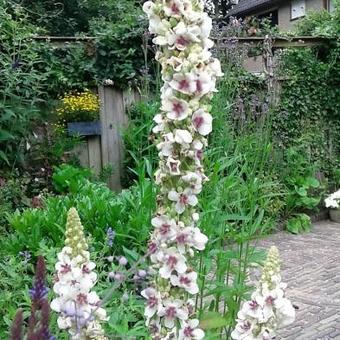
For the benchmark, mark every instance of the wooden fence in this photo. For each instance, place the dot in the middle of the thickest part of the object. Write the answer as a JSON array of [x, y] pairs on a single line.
[[103, 146]]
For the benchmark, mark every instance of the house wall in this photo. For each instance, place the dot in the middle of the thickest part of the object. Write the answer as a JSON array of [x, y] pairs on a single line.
[[314, 5], [284, 17], [285, 23]]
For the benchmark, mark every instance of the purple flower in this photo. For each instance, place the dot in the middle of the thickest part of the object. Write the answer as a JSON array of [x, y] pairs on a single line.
[[26, 255], [16, 64], [44, 332], [38, 324], [110, 235], [39, 291], [16, 330]]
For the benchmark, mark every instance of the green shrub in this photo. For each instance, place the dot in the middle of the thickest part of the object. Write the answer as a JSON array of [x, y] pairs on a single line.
[[68, 178], [309, 106], [128, 213], [303, 189], [21, 85], [299, 223], [138, 139]]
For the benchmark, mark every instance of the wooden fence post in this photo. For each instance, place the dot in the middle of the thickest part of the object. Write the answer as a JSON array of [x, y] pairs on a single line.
[[113, 120]]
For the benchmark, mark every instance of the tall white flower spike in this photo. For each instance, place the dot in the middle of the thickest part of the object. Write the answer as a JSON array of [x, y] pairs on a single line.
[[268, 309], [181, 30], [77, 306]]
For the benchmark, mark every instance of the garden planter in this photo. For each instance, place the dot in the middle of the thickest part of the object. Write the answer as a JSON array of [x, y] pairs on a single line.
[[334, 215], [84, 128]]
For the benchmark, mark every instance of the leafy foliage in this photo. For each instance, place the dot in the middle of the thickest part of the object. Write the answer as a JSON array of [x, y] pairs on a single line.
[[117, 52], [299, 223], [119, 43], [21, 85], [127, 213], [303, 188], [309, 108]]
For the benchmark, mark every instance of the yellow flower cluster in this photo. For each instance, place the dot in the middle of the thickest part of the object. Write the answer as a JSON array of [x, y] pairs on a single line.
[[80, 106]]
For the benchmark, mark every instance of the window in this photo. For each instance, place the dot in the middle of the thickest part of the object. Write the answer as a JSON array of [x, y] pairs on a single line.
[[298, 9], [330, 5]]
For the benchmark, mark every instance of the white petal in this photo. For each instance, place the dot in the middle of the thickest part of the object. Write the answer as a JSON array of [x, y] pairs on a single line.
[[173, 196]]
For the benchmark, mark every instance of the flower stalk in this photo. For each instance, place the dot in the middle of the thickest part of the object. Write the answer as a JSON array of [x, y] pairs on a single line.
[[77, 305], [38, 322], [268, 309], [181, 31]]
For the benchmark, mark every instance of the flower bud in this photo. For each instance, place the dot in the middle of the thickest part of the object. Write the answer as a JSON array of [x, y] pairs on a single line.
[[122, 261], [119, 277], [111, 275], [142, 273]]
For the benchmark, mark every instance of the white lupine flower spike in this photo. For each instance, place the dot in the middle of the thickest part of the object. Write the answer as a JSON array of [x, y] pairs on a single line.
[[181, 29], [268, 309]]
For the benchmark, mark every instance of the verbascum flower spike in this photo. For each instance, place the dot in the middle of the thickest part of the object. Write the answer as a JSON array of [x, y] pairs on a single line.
[[181, 30], [268, 309], [75, 302], [75, 238]]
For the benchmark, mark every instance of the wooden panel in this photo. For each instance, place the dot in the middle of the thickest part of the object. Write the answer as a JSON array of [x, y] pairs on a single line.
[[112, 106], [278, 42], [95, 154], [129, 98], [81, 151]]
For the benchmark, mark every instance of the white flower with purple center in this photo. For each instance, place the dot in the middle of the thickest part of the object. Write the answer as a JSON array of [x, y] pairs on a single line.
[[171, 311], [177, 109], [204, 84], [166, 227], [172, 261], [190, 330], [243, 330], [187, 281], [184, 83], [173, 166], [153, 302], [202, 122], [183, 199], [185, 35], [174, 8]]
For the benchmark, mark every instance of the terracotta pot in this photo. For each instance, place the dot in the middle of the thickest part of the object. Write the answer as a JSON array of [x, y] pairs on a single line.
[[334, 215]]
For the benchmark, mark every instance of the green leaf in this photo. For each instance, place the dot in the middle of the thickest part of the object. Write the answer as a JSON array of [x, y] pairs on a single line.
[[312, 182], [301, 191], [211, 320], [5, 135], [4, 157]]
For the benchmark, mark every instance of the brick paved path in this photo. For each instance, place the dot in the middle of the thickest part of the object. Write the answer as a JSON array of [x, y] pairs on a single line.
[[311, 267]]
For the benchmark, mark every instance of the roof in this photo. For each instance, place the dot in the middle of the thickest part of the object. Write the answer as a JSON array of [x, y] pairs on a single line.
[[249, 6]]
